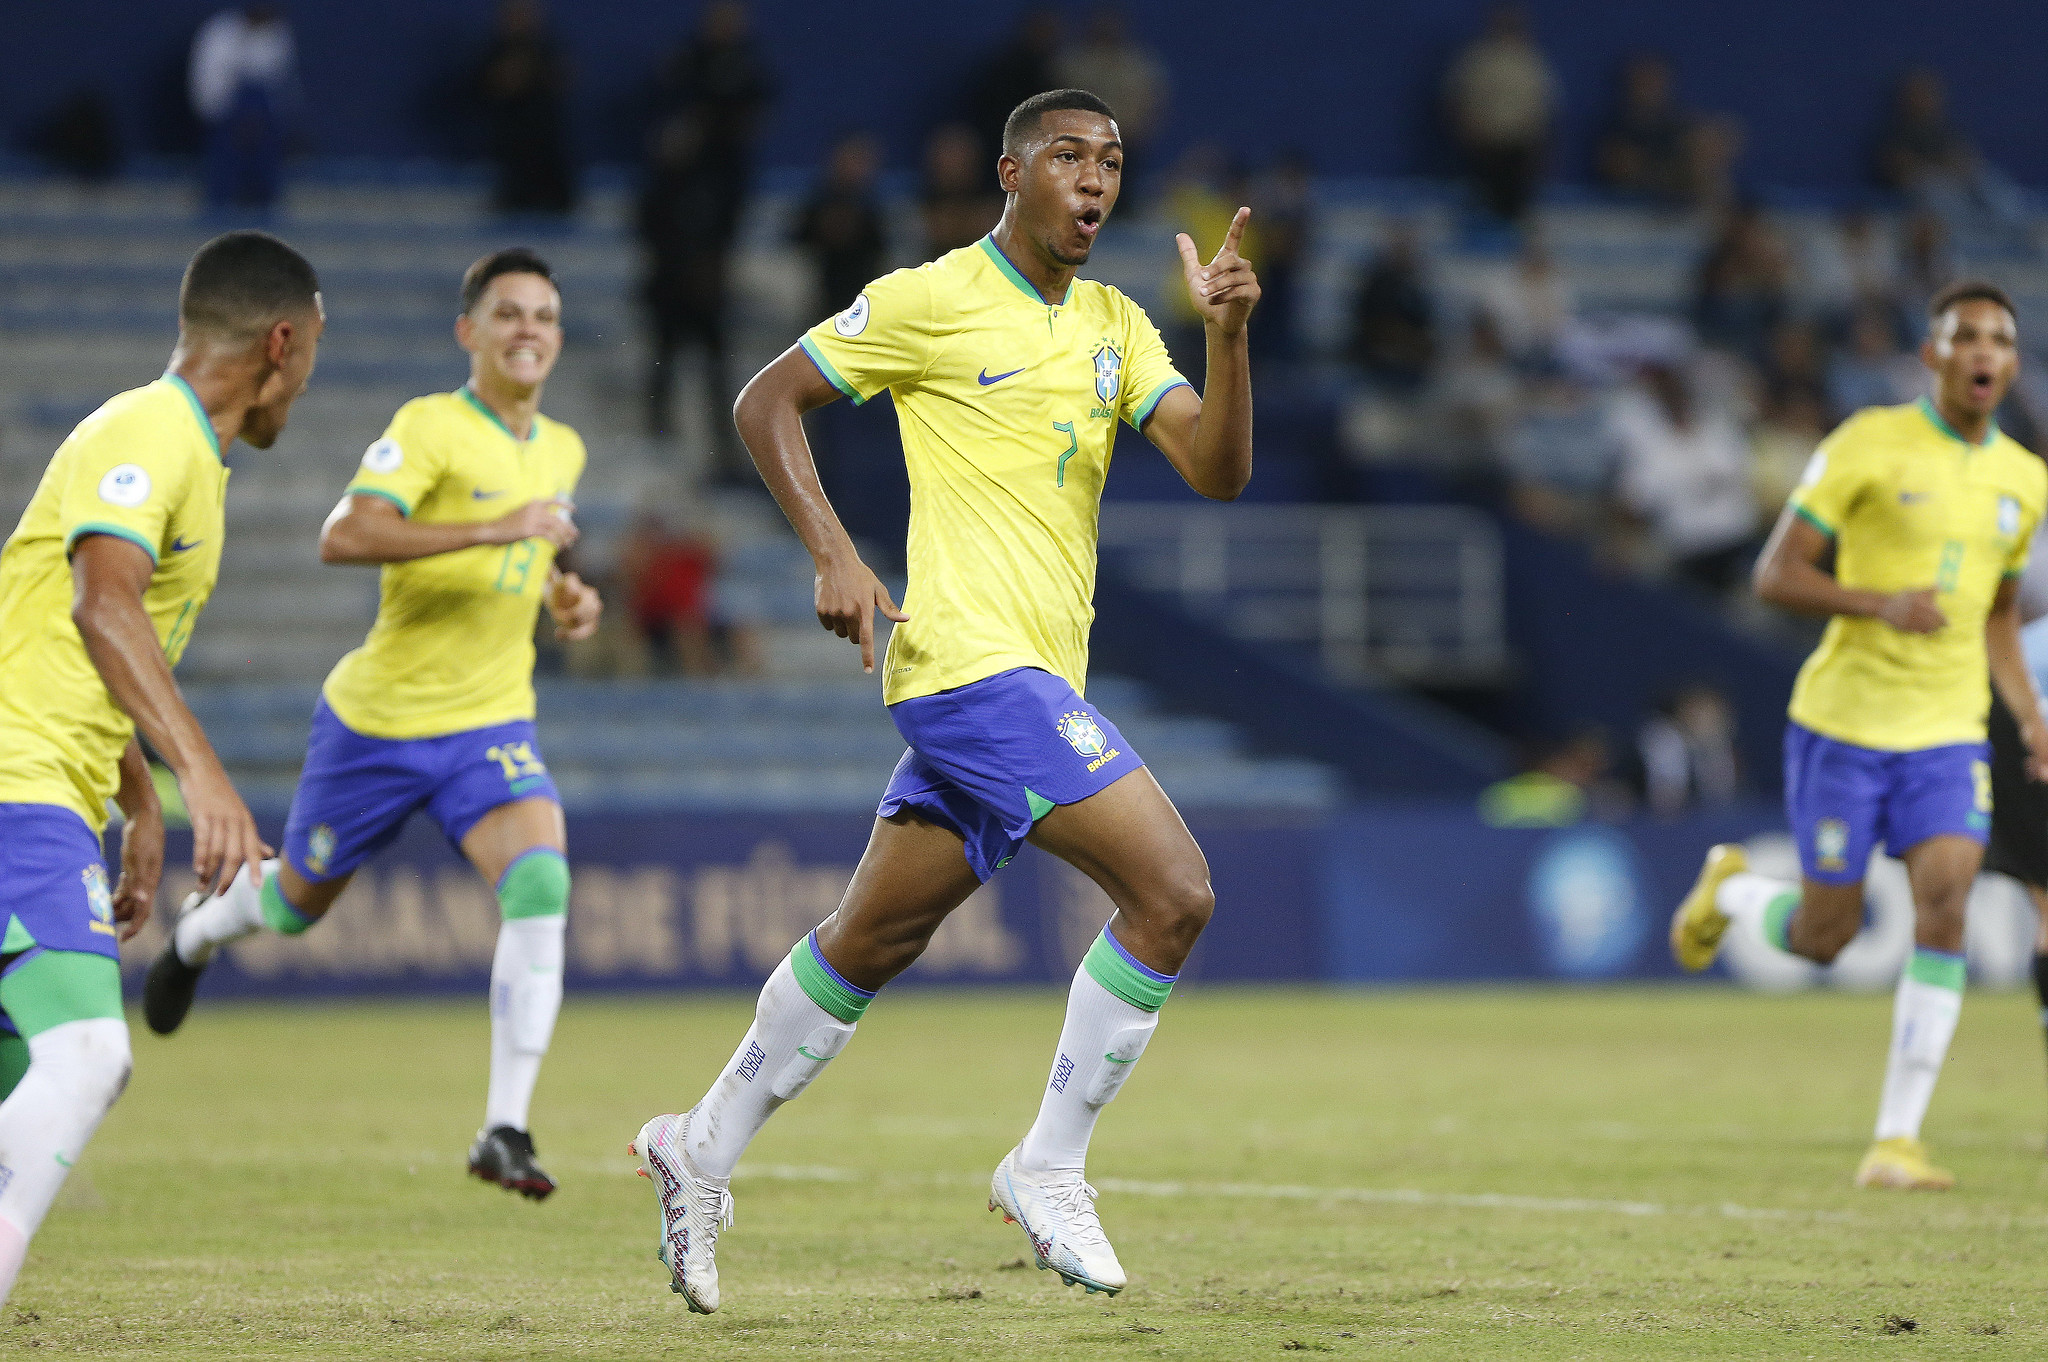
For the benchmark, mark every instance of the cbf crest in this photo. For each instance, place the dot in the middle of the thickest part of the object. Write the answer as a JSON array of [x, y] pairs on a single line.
[[2008, 517], [1109, 374], [1082, 733], [98, 901], [1831, 844], [319, 849]]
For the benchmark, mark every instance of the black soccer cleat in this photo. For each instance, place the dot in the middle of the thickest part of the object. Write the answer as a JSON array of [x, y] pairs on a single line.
[[167, 993], [505, 1156]]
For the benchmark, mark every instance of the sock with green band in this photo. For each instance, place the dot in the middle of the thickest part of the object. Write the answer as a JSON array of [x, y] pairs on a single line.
[[805, 1016], [1761, 905], [1112, 1010], [233, 913], [1924, 1013], [526, 980], [278, 912]]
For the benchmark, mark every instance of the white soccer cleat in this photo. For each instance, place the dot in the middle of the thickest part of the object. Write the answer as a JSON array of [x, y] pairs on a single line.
[[1057, 1211], [693, 1207]]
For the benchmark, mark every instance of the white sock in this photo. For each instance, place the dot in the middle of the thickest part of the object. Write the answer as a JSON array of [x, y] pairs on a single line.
[[789, 1044], [526, 997], [1748, 899], [75, 1071], [1924, 1013], [1099, 1043], [230, 915]]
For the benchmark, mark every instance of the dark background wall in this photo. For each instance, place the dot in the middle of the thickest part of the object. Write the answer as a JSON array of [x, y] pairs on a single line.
[[1352, 83]]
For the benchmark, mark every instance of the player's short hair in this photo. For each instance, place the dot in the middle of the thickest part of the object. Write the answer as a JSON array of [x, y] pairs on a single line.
[[1023, 120], [1968, 291], [511, 260], [241, 283]]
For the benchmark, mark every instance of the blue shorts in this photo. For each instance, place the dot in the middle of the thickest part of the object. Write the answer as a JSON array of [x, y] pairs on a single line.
[[991, 758], [54, 894], [1842, 800], [356, 792]]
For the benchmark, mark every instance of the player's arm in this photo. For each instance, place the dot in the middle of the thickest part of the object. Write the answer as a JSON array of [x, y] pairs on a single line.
[[109, 575], [142, 841], [367, 529], [1208, 439], [2011, 677], [1788, 574], [769, 415]]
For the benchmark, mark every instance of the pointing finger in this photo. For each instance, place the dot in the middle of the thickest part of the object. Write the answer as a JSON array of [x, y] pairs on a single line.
[[867, 640], [1235, 234]]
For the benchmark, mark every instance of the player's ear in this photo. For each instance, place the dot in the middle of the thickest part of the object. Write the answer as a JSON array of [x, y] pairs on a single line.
[[278, 342], [1929, 356], [465, 331], [1008, 171]]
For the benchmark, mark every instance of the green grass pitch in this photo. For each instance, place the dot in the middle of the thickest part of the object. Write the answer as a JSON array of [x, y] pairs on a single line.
[[1483, 1174]]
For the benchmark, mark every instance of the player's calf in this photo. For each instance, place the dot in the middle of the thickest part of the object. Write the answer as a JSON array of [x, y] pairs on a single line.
[[526, 1000]]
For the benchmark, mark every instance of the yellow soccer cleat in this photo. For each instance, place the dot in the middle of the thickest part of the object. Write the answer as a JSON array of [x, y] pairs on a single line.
[[1901, 1163], [1699, 923]]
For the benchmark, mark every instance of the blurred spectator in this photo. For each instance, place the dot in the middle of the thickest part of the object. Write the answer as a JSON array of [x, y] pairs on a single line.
[[1781, 445], [1022, 67], [1713, 147], [1795, 362], [961, 203], [1918, 146], [1871, 370], [717, 79], [1283, 204], [687, 214], [523, 84], [1566, 782], [79, 137], [670, 582], [1532, 303], [1742, 289], [1127, 76], [1393, 320], [1684, 469], [244, 83], [841, 225], [1478, 398], [1642, 151], [1500, 96], [1853, 264], [1925, 267], [1560, 462], [1686, 752]]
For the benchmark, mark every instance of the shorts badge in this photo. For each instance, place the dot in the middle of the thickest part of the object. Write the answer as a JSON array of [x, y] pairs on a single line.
[[1083, 733], [98, 901], [1830, 844], [319, 849]]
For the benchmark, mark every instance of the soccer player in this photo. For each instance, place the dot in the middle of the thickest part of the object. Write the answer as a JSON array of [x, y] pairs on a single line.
[[465, 501], [1008, 376], [100, 586], [1929, 510]]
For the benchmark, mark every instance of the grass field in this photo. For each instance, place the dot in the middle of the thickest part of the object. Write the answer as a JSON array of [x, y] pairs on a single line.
[[1641, 1174]]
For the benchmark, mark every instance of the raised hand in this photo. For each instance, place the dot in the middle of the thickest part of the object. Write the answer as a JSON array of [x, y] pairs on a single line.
[[848, 595], [575, 606], [550, 520], [1225, 290]]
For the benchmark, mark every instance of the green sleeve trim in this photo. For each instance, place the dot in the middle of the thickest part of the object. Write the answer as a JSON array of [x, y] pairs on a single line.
[[1114, 970], [1938, 968], [392, 497], [1145, 409], [118, 531], [831, 374], [822, 984], [1813, 520]]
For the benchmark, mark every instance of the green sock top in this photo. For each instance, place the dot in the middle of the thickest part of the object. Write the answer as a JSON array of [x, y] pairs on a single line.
[[1117, 970], [1943, 969], [824, 985]]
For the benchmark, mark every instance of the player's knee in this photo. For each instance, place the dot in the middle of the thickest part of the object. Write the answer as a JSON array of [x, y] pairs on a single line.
[[91, 1058], [535, 885], [1185, 906]]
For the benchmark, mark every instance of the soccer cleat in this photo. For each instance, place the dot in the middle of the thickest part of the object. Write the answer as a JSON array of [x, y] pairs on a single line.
[[168, 991], [1057, 1213], [693, 1208], [1901, 1163], [505, 1156], [1699, 924]]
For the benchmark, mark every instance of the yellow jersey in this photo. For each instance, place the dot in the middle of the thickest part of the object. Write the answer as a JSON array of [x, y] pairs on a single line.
[[146, 468], [1008, 407], [1910, 504], [452, 646]]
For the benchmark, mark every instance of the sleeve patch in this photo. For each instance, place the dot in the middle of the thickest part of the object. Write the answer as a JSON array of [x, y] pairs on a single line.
[[125, 484], [384, 456], [854, 320]]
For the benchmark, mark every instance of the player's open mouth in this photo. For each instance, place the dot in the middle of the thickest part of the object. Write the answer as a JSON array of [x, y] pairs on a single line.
[[1089, 221], [1981, 385]]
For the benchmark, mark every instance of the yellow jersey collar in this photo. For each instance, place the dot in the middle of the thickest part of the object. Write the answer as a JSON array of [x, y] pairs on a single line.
[[1933, 414], [205, 423], [1015, 276], [465, 393]]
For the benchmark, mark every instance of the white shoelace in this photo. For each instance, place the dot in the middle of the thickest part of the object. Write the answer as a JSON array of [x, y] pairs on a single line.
[[1075, 1200]]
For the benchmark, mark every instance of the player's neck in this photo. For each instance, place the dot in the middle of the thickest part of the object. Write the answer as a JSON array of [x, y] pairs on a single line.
[[1973, 428], [515, 407], [1050, 278], [222, 385]]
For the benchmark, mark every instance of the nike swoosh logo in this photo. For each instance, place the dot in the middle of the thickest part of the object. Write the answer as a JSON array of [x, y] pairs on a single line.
[[1114, 1060], [805, 1051], [1911, 498], [986, 380], [481, 495], [66, 1162], [179, 545]]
